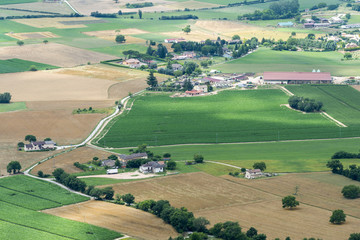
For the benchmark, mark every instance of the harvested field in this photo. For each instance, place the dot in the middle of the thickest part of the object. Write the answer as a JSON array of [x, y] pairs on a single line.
[[357, 87], [54, 54], [57, 22], [66, 161], [36, 5], [41, 85], [126, 31], [229, 198], [120, 218], [32, 35]]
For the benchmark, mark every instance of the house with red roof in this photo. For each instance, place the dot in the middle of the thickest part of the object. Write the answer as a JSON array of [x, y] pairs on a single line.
[[297, 77]]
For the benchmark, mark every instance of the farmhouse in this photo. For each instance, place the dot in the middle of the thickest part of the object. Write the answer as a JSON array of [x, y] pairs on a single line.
[[297, 77], [40, 145], [124, 157], [174, 40], [194, 93], [309, 25], [176, 66], [355, 25], [201, 88], [152, 167], [108, 163], [131, 61], [255, 173]]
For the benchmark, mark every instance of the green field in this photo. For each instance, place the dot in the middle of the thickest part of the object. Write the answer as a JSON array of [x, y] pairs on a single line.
[[230, 116], [4, 2], [19, 65], [265, 59], [294, 156], [21, 197], [9, 107]]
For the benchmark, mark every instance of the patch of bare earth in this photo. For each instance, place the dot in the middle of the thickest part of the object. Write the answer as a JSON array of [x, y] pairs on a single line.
[[54, 54], [357, 87], [65, 22], [220, 200], [32, 35], [66, 161], [119, 218]]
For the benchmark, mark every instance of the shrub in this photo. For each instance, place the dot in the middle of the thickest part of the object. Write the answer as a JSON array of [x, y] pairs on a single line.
[[337, 217], [351, 191], [40, 174], [33, 68], [198, 158]]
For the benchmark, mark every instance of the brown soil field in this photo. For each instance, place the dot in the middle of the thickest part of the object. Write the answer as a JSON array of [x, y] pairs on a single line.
[[54, 22], [66, 161], [223, 199], [45, 85], [54, 54], [32, 35], [130, 221], [126, 31], [357, 87]]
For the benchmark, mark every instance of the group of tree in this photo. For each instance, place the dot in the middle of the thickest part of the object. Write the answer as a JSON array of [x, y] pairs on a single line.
[[139, 5], [345, 155], [5, 97], [337, 167], [318, 6], [305, 104], [277, 10], [179, 17], [243, 49], [207, 48], [68, 180], [306, 44], [100, 193], [30, 138], [14, 167], [260, 165], [356, 7], [103, 15]]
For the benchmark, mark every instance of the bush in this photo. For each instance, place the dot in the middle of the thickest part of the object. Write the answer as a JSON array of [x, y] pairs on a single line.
[[81, 166], [259, 165], [337, 217], [40, 174], [33, 68], [351, 191], [344, 155], [198, 158], [5, 98], [171, 165]]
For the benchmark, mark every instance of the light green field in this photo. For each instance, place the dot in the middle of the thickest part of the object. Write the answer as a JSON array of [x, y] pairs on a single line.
[[19, 65], [21, 197], [9, 107], [265, 59], [4, 2], [294, 156]]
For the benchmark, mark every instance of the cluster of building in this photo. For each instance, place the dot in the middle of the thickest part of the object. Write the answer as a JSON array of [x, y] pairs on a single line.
[[40, 146], [133, 63]]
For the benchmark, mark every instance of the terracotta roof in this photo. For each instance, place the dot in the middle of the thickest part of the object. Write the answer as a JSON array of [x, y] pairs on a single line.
[[304, 76]]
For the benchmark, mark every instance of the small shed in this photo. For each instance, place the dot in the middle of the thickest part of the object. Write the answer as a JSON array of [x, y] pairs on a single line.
[[285, 24]]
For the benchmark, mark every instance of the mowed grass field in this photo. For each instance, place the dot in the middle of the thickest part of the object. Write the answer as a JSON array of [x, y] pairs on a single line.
[[21, 197], [265, 59], [4, 2], [9, 107], [294, 156], [254, 203], [230, 116], [19, 65]]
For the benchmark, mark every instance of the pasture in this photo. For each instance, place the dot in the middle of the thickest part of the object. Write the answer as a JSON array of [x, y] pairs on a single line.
[[19, 65], [13, 106], [4, 2], [292, 156], [157, 119], [231, 199], [265, 59], [120, 218]]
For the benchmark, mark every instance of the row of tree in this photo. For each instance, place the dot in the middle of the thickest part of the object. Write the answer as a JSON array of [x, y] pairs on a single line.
[[337, 167], [305, 104], [305, 44], [5, 97], [345, 155]]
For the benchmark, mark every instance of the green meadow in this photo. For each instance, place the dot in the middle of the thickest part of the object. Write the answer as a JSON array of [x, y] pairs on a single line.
[[14, 106], [230, 116], [265, 59], [292, 156], [4, 2], [22, 197], [19, 65]]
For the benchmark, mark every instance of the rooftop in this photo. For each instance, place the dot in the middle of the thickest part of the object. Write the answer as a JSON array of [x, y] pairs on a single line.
[[304, 76]]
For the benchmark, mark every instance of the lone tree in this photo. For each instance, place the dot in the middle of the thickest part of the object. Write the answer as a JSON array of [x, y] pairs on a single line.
[[259, 165], [128, 198], [198, 158], [151, 80], [120, 38], [348, 56], [5, 97], [351, 191], [187, 29], [338, 217], [30, 138], [20, 43], [289, 202], [13, 166], [140, 14]]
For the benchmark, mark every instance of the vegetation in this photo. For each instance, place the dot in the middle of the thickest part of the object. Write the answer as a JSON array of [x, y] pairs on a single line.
[[259, 165], [181, 17], [17, 106], [120, 38], [103, 15], [19, 65], [69, 180], [5, 97], [289, 202], [30, 138], [305, 104], [351, 191], [345, 155], [198, 158], [338, 217], [139, 5], [13, 166], [337, 167], [128, 198]]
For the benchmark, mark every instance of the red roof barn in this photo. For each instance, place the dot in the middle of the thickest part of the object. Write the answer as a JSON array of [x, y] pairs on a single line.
[[297, 77]]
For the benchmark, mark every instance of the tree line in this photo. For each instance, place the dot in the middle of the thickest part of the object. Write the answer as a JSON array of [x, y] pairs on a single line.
[[5, 97], [180, 17], [139, 5], [305, 104], [337, 167]]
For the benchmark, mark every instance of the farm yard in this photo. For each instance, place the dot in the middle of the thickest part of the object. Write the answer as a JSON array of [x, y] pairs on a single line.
[[21, 197], [229, 198]]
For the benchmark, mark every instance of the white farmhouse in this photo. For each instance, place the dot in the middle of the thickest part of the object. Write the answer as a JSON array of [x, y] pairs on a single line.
[[152, 167], [253, 173]]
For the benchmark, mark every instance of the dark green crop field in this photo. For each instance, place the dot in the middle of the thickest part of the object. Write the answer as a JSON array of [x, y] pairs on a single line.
[[21, 197], [19, 65], [230, 116]]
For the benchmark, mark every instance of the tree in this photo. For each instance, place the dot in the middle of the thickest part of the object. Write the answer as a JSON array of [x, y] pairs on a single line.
[[259, 165], [151, 80], [198, 158], [198, 236], [228, 231], [140, 14], [293, 34], [47, 139], [5, 97], [20, 144], [30, 138], [289, 202], [120, 38], [310, 36], [251, 232], [187, 29], [96, 193], [108, 192], [20, 43], [45, 41], [95, 158], [40, 174], [335, 166], [161, 51], [128, 198], [235, 37], [348, 16], [57, 173], [348, 56], [354, 236], [199, 224], [337, 217], [149, 51], [351, 191], [113, 157], [13, 166], [171, 165]]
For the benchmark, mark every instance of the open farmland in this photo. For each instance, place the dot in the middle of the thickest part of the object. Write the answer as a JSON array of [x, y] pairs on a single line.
[[13, 106], [157, 119], [18, 65], [21, 197], [120, 218], [268, 60], [4, 2], [53, 54], [221, 200]]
